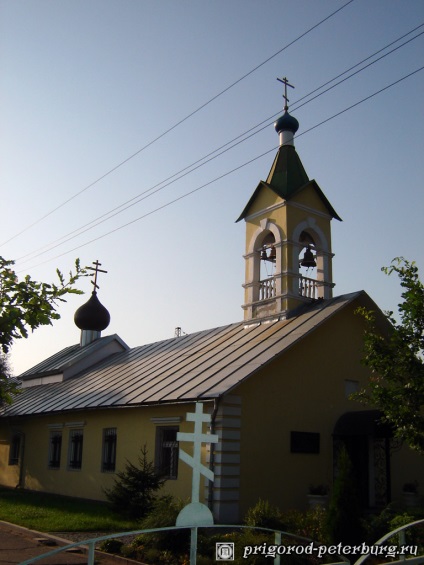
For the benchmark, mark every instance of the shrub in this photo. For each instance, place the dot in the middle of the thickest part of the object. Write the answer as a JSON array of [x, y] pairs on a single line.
[[112, 546], [344, 514], [134, 491], [310, 524], [264, 515], [164, 513]]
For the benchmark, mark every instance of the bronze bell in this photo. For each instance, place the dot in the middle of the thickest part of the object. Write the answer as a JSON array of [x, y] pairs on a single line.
[[272, 255], [263, 255], [308, 259]]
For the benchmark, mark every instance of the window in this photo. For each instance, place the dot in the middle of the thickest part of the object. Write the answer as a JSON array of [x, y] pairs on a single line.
[[15, 449], [109, 449], [166, 460], [75, 449], [304, 442], [55, 448], [351, 387]]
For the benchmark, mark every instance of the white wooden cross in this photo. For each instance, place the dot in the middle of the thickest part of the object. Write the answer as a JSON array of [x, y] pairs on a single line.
[[197, 437]]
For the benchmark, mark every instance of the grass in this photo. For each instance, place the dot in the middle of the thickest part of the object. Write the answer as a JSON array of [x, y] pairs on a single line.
[[52, 513]]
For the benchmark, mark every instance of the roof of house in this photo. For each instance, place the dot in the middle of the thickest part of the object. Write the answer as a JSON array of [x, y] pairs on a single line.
[[198, 366]]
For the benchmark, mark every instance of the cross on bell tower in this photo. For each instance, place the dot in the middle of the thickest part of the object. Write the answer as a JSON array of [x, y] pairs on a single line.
[[288, 227], [286, 83]]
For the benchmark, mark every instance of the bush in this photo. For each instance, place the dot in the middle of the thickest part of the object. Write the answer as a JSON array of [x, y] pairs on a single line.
[[134, 491], [344, 521], [310, 524], [164, 513], [112, 546], [264, 515]]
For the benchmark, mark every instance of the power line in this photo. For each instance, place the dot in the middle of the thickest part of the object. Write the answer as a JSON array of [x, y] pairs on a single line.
[[215, 97], [212, 155], [220, 177]]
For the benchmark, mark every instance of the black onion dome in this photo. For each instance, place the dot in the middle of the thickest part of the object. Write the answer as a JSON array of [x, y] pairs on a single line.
[[92, 315], [286, 122]]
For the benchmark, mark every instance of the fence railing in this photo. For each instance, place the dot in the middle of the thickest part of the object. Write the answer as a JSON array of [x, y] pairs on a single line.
[[308, 287], [90, 544], [267, 288]]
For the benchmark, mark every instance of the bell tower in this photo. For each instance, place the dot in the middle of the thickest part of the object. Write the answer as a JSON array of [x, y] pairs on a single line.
[[288, 235]]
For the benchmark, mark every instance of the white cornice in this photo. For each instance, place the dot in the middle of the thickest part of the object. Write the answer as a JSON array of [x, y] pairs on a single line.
[[166, 420], [309, 209], [265, 211]]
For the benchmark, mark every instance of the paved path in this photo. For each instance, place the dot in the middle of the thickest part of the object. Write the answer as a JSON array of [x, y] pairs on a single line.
[[20, 544]]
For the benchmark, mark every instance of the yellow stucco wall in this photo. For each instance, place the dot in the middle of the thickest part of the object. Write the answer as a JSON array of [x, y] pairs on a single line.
[[304, 391], [134, 429]]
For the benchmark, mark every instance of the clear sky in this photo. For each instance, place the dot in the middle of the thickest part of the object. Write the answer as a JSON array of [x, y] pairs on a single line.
[[87, 84]]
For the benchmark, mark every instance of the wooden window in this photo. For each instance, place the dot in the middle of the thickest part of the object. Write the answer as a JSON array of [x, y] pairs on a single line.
[[109, 450], [166, 457]]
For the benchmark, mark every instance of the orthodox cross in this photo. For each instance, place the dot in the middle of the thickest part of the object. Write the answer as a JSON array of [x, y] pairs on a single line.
[[197, 437], [96, 271], [286, 83]]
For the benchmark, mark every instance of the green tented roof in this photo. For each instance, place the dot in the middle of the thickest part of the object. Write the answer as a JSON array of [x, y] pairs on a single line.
[[286, 178]]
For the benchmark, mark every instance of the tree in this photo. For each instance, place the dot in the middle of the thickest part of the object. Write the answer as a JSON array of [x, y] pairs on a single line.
[[344, 522], [8, 385], [396, 385], [26, 305], [133, 493]]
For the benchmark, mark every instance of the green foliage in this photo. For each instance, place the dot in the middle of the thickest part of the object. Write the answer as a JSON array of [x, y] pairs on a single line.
[[264, 515], [396, 386], [389, 519], [134, 491], [164, 512], [27, 304], [344, 521], [208, 539], [310, 524], [53, 513], [8, 385], [113, 545]]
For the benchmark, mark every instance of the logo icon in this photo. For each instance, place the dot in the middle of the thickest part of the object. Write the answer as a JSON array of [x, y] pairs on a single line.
[[224, 551]]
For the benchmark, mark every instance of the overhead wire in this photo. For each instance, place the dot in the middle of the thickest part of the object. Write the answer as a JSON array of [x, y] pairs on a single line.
[[212, 155], [220, 177], [168, 130]]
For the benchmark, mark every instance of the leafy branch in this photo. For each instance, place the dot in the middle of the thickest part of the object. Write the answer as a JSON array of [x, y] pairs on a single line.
[[396, 384]]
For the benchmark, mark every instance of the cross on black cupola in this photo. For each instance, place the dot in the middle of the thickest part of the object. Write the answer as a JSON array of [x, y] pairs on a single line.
[[92, 317]]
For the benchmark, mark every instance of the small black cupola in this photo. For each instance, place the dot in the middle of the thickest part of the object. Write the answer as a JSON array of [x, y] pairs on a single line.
[[92, 317]]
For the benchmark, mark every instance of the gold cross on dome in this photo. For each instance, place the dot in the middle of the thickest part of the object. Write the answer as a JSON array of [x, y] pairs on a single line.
[[286, 83], [96, 271]]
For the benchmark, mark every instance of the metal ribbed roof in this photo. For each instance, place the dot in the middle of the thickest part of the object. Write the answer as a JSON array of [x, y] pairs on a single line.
[[68, 356], [198, 366]]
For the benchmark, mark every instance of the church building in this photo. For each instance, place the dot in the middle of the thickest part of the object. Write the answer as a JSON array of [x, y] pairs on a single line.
[[277, 384]]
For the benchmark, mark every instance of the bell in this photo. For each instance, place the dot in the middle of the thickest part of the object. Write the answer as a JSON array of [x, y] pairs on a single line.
[[272, 254], [308, 259], [263, 255]]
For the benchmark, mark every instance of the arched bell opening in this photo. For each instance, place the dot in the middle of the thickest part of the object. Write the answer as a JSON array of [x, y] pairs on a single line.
[[310, 266], [307, 255], [268, 257], [265, 263]]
